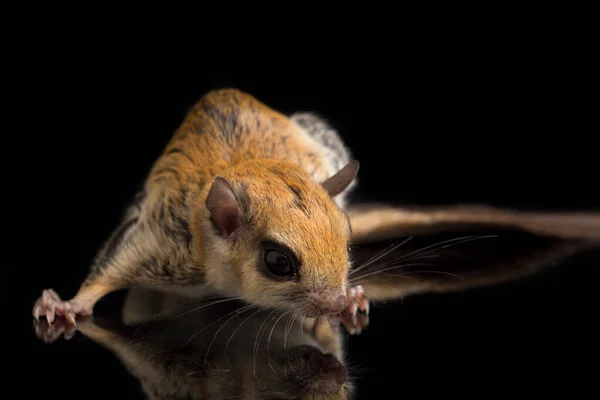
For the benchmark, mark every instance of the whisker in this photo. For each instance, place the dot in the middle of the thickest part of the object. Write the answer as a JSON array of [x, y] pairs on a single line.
[[235, 331], [395, 260], [422, 257], [186, 304], [448, 243], [291, 325], [207, 305], [289, 329], [257, 340], [162, 312], [237, 312], [287, 325], [217, 320], [355, 279], [230, 299], [430, 272], [269, 340], [380, 255], [443, 244]]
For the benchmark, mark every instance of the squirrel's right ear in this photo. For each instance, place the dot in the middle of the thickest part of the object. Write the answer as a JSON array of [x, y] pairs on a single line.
[[340, 181], [225, 210]]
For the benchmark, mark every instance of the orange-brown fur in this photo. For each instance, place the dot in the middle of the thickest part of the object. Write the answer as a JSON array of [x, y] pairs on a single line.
[[256, 134], [276, 170], [320, 237]]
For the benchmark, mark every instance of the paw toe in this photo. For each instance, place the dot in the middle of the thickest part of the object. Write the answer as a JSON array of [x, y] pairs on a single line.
[[69, 316], [50, 306], [363, 305], [357, 300], [362, 321], [37, 311], [50, 315], [351, 298], [353, 321]]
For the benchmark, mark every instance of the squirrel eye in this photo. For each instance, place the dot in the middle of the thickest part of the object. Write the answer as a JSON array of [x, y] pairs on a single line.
[[278, 263]]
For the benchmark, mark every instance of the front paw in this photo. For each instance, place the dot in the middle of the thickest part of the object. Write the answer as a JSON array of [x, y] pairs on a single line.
[[353, 320], [357, 300], [50, 305]]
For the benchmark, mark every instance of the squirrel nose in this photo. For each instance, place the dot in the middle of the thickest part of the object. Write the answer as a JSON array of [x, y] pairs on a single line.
[[333, 305]]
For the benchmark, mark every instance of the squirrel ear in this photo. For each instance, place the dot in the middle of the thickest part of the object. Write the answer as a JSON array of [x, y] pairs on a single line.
[[340, 181], [224, 207]]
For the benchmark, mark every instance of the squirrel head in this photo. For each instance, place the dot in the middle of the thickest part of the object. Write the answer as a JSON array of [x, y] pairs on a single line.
[[275, 237]]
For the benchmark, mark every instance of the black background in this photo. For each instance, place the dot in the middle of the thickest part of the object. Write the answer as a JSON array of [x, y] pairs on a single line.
[[488, 118]]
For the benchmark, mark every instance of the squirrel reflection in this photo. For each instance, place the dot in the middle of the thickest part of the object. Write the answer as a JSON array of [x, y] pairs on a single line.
[[218, 348], [223, 348]]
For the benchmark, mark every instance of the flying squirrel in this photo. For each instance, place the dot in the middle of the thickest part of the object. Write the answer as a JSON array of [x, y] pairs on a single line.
[[244, 202], [249, 203]]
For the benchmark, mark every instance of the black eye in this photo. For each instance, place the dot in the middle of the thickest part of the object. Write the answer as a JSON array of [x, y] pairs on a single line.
[[279, 261]]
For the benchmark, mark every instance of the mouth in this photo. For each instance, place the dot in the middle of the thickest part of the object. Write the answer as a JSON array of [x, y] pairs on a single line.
[[314, 313], [309, 311], [312, 306]]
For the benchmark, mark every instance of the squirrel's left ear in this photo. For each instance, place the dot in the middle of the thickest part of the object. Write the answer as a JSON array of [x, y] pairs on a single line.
[[226, 212], [340, 181]]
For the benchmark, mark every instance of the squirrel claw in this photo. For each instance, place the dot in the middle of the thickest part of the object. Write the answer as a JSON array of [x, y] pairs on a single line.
[[51, 306], [357, 300], [36, 313], [353, 321]]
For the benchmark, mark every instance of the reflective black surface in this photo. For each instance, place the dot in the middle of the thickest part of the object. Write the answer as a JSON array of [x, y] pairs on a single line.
[[91, 133], [533, 335]]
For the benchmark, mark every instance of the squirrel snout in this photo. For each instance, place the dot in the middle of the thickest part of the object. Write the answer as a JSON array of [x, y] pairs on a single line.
[[332, 304]]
